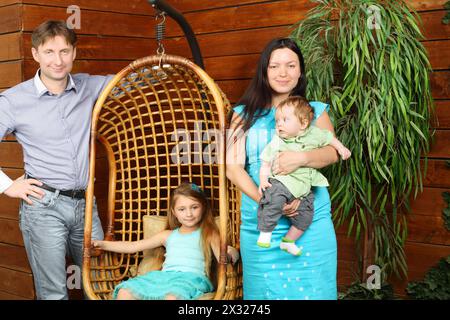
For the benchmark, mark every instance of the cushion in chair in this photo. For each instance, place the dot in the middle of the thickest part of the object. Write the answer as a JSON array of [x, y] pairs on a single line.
[[152, 225]]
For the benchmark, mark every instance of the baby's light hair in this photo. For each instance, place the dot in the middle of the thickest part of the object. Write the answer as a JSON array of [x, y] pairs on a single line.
[[302, 109]]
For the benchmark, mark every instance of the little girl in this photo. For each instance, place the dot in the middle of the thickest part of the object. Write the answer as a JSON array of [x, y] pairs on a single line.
[[190, 237]]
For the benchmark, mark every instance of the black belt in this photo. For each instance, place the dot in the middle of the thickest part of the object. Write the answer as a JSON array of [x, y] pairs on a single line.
[[77, 194]]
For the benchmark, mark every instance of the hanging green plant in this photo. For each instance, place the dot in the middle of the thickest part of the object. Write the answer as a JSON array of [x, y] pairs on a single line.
[[365, 58]]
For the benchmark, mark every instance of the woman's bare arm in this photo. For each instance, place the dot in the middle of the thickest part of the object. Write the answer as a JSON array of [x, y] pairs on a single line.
[[232, 252], [236, 162]]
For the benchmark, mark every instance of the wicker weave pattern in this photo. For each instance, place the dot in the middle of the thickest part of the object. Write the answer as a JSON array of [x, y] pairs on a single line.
[[161, 120]]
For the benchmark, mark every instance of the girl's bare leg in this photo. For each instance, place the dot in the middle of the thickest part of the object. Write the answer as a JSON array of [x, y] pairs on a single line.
[[124, 294]]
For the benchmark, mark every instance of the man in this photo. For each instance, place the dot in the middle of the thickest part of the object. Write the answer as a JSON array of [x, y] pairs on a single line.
[[50, 116]]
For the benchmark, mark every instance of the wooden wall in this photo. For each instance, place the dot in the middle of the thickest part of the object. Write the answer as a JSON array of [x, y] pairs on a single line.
[[231, 34]]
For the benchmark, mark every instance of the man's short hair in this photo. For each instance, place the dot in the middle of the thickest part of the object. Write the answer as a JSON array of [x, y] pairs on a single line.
[[50, 29]]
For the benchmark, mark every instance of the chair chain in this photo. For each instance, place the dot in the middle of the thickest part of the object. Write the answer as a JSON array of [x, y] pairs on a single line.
[[160, 31]]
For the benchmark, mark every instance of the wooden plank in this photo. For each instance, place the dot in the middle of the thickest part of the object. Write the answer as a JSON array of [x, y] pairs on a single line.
[[14, 257], [9, 207], [421, 5], [342, 229], [432, 26], [11, 155], [226, 19], [17, 283], [8, 296], [438, 174], [438, 54], [428, 203], [347, 272], [11, 18], [288, 13], [233, 89], [185, 6], [93, 22], [10, 232], [346, 248], [255, 16], [420, 258], [10, 73], [238, 42], [244, 17], [440, 84], [442, 120], [11, 46], [4, 3], [130, 6], [116, 24], [195, 5], [440, 148], [238, 67], [427, 229]]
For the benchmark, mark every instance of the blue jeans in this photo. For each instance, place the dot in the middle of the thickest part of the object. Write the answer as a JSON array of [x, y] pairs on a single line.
[[52, 228]]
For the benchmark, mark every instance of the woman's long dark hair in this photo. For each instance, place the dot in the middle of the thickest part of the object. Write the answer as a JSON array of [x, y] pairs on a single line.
[[258, 96]]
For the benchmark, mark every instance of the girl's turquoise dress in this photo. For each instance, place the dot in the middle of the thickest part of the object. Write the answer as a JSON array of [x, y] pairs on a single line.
[[272, 273], [182, 275]]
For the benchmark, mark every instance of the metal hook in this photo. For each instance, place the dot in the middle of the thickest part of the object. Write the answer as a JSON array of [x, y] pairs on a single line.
[[160, 31]]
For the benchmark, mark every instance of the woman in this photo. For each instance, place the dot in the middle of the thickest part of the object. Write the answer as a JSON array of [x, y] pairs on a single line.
[[271, 273]]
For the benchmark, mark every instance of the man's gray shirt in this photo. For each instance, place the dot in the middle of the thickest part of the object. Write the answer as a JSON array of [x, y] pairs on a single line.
[[53, 130]]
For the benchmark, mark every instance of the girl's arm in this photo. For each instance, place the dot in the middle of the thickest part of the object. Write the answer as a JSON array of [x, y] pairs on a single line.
[[156, 241], [288, 161], [233, 253], [236, 162]]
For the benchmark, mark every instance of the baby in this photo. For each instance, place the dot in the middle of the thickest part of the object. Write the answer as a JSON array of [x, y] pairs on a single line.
[[294, 133]]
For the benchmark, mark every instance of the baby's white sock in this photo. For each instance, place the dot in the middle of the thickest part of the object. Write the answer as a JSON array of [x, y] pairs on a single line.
[[264, 239], [290, 247]]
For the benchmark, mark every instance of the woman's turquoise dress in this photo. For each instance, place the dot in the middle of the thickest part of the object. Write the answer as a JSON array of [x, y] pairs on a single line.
[[272, 273]]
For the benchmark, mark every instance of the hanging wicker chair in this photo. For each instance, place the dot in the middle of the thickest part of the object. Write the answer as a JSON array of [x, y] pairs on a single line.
[[161, 121]]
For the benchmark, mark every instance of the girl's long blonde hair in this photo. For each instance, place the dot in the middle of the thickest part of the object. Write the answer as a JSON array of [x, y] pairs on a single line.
[[209, 229]]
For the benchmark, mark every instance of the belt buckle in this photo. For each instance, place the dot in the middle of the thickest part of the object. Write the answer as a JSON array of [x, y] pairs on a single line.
[[75, 194], [79, 194]]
